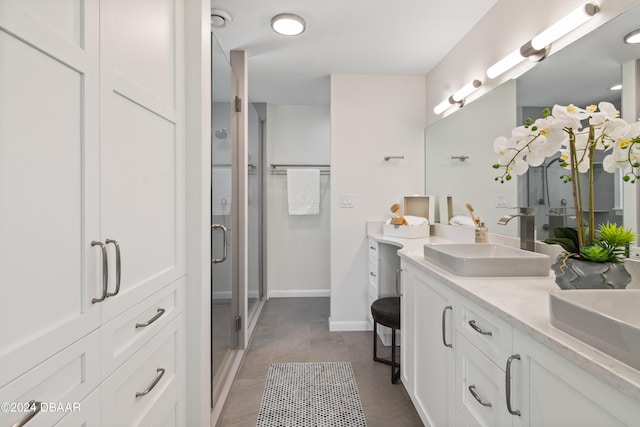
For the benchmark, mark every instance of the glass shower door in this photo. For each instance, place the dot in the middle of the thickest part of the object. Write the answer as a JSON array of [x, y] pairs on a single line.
[[224, 299]]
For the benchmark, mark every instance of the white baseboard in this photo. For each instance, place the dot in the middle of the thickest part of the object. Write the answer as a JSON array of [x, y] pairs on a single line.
[[217, 295], [299, 293], [362, 325]]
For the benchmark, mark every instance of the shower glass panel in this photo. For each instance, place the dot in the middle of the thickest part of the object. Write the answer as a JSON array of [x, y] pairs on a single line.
[[224, 336], [255, 223]]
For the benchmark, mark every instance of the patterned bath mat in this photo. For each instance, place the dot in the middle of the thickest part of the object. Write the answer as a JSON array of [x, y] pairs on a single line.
[[311, 395]]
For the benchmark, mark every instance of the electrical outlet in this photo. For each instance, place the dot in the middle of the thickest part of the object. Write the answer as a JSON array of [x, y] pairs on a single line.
[[346, 201]]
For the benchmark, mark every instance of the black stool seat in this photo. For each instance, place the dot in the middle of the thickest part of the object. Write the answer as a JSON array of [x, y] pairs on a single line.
[[386, 311]]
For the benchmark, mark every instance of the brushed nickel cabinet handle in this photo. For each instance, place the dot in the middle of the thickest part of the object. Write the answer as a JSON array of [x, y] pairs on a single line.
[[37, 406], [153, 319], [372, 274], [508, 384], [474, 393], [155, 382], [478, 329], [224, 243], [105, 271], [444, 329], [118, 266]]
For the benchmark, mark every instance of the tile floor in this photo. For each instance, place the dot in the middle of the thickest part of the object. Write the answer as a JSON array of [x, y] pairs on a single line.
[[296, 330]]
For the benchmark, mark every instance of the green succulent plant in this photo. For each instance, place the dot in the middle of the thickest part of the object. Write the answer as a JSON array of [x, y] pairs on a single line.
[[609, 244]]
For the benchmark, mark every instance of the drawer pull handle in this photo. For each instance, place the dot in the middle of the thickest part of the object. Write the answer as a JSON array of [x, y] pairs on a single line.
[[444, 329], [118, 269], [478, 329], [472, 390], [372, 248], [35, 407], [150, 321], [371, 273], [508, 384], [105, 271], [153, 384]]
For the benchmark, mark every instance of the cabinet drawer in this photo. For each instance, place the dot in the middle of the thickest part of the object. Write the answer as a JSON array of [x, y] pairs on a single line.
[[146, 383], [374, 271], [373, 249], [373, 295], [476, 374], [127, 333], [88, 413], [492, 336], [60, 383]]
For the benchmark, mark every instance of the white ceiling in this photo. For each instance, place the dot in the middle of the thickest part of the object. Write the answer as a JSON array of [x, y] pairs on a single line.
[[342, 37]]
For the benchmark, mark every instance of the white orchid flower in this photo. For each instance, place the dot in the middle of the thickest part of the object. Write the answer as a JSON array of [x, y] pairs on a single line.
[[569, 116]]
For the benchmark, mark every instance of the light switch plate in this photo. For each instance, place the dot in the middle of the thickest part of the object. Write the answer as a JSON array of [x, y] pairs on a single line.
[[346, 201], [502, 200]]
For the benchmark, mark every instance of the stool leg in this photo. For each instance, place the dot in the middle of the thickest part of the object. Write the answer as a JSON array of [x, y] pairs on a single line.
[[393, 356], [375, 341]]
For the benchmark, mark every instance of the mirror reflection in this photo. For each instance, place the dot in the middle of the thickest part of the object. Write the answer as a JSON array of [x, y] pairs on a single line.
[[581, 74]]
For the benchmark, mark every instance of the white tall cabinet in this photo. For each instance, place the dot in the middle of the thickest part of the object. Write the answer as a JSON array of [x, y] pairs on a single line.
[[91, 210]]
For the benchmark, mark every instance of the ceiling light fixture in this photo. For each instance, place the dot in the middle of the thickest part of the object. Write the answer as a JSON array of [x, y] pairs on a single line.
[[220, 18], [633, 37], [458, 97], [288, 24], [538, 47], [616, 87]]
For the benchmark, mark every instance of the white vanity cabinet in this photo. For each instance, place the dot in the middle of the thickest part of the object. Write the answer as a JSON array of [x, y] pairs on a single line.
[[384, 269], [552, 391], [431, 329], [91, 183], [495, 374]]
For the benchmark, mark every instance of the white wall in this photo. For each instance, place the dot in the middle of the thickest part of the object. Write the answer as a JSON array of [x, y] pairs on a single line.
[[504, 28], [371, 117], [471, 132], [297, 245]]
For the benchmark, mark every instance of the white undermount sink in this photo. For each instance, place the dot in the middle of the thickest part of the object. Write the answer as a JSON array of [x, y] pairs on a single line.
[[607, 319], [486, 260]]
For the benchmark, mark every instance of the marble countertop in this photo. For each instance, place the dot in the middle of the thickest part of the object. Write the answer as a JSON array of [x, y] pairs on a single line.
[[521, 301]]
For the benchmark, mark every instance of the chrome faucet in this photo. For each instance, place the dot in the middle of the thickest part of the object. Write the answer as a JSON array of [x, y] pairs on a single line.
[[527, 227]]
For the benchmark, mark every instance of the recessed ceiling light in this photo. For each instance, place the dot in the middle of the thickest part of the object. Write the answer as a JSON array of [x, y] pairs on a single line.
[[220, 18], [288, 24], [633, 37], [616, 87]]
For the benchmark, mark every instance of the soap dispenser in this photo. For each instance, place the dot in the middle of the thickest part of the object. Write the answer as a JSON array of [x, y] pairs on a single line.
[[481, 232]]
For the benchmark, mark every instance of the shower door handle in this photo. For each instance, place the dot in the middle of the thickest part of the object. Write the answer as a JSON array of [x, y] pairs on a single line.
[[224, 243]]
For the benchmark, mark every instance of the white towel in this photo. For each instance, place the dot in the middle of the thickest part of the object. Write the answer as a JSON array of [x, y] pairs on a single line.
[[303, 191], [221, 190]]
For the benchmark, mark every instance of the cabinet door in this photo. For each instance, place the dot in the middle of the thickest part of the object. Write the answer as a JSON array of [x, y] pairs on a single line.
[[551, 391], [49, 164], [141, 145], [407, 327], [434, 359]]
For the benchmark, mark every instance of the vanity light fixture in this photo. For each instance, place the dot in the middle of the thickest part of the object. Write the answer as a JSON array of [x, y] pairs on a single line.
[[564, 26], [444, 105], [458, 97], [288, 24], [466, 90], [633, 37], [538, 47]]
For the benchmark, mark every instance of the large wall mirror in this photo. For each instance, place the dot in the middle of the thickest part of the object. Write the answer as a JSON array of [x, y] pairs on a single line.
[[580, 74]]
